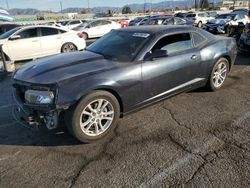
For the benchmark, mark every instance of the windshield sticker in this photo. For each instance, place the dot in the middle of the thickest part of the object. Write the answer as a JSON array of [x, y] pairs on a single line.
[[143, 35]]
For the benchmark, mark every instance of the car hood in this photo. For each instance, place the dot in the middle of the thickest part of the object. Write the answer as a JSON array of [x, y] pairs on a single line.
[[54, 69]]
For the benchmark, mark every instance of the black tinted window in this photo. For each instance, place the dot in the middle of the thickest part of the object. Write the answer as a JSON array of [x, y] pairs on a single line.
[[96, 23], [179, 21], [104, 22], [198, 39], [48, 31], [29, 33], [174, 43], [74, 22]]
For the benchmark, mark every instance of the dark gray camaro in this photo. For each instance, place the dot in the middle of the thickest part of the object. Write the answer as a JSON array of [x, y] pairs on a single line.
[[125, 70]]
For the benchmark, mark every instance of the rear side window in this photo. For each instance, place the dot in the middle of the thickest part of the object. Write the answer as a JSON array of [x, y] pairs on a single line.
[[104, 22], [198, 39], [74, 22], [174, 43], [49, 31]]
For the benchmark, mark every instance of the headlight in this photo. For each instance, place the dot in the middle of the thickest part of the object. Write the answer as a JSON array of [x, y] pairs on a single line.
[[39, 97]]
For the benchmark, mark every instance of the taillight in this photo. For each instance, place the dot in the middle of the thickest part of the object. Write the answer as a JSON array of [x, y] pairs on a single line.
[[80, 35]]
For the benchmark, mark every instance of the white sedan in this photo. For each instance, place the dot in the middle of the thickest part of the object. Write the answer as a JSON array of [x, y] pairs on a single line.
[[97, 28], [31, 42]]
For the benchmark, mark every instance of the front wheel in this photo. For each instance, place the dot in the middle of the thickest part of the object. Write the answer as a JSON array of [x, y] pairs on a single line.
[[94, 117], [218, 74]]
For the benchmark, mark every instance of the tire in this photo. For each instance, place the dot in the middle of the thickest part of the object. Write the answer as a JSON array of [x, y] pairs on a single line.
[[199, 24], [218, 75], [68, 47], [91, 120]]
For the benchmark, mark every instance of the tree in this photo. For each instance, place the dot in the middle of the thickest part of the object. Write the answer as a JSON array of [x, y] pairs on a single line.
[[126, 10]]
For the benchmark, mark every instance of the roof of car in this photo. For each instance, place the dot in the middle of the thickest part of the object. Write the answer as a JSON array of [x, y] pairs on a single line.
[[158, 28]]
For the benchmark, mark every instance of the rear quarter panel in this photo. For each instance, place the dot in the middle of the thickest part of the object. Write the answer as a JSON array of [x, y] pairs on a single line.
[[216, 49]]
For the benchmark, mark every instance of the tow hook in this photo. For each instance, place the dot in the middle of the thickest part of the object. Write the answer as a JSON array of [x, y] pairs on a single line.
[[51, 120]]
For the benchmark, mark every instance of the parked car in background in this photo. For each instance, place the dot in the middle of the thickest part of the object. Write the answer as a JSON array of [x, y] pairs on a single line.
[[98, 28], [244, 41], [171, 20], [199, 18], [135, 21], [31, 42], [220, 23], [6, 27], [81, 26], [123, 71], [70, 24], [213, 14]]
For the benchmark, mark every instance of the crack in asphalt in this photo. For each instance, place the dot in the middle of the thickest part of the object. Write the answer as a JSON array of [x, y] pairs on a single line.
[[102, 154], [176, 120]]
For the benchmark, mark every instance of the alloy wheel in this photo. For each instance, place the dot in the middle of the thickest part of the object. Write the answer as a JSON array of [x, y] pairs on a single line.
[[97, 117], [220, 74]]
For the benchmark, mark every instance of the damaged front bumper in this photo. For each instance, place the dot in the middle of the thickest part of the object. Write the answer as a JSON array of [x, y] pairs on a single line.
[[33, 116]]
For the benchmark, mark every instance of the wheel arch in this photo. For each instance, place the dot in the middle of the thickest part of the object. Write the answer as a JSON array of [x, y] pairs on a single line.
[[107, 89]]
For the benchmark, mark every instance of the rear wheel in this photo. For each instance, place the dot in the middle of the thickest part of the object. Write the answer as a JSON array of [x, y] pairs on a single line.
[[68, 47], [218, 74], [94, 117]]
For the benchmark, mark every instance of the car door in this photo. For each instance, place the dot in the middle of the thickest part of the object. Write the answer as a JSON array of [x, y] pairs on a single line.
[[51, 40], [94, 29], [28, 46], [105, 27], [178, 70]]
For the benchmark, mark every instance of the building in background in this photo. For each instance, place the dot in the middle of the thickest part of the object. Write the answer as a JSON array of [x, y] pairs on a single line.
[[235, 3]]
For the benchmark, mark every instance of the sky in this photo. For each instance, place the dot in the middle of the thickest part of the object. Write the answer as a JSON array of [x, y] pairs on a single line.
[[54, 5]]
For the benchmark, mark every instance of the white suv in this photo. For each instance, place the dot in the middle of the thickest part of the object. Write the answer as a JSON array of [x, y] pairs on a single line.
[[199, 18]]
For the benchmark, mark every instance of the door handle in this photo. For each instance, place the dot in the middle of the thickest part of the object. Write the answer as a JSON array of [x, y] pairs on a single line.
[[193, 57], [34, 40]]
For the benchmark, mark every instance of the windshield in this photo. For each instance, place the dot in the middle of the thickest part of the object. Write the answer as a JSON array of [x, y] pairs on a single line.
[[120, 45], [9, 33]]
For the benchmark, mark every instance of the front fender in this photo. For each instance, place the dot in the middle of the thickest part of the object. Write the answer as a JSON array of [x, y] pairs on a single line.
[[71, 91]]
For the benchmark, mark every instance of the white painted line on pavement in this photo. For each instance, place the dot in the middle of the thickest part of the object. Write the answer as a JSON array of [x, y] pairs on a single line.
[[153, 182], [6, 156], [238, 122]]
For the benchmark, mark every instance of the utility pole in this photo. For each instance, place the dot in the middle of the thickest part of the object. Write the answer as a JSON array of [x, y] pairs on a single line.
[[61, 6], [144, 6], [88, 6], [7, 5]]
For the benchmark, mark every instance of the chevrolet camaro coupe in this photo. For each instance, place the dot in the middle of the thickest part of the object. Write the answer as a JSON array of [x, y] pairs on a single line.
[[123, 71]]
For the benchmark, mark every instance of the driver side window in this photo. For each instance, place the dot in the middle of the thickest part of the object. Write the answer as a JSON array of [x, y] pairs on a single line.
[[174, 43], [28, 33]]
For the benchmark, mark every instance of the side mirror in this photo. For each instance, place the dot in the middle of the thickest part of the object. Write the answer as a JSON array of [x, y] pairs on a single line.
[[156, 54], [15, 37]]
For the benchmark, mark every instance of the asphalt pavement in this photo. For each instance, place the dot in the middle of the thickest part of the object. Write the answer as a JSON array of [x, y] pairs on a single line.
[[195, 139]]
